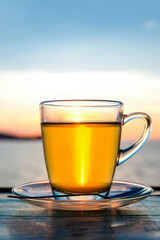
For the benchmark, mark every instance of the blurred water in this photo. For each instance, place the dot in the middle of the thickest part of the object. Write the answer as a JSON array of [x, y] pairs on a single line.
[[23, 161]]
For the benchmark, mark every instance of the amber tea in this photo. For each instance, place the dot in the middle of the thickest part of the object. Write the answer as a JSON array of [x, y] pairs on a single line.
[[81, 157]]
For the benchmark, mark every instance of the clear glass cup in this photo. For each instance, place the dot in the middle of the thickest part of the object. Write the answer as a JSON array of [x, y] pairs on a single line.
[[81, 140]]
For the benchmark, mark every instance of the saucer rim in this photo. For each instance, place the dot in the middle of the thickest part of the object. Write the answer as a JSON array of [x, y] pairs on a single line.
[[147, 190]]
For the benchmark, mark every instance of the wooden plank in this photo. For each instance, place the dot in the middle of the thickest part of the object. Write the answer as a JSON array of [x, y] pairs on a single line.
[[19, 220]]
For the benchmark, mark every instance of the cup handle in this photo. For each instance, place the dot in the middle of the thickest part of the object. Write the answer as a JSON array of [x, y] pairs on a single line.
[[125, 154]]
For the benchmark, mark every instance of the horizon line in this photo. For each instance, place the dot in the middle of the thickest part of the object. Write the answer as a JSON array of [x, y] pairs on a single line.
[[8, 136]]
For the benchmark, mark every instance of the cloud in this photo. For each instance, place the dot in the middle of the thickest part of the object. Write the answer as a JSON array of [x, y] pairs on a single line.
[[151, 24], [22, 92], [31, 87]]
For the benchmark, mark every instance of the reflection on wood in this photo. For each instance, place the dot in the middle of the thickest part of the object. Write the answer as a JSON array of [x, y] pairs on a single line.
[[23, 221]]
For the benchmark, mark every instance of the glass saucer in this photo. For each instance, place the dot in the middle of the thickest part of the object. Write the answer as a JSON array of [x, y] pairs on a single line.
[[121, 194]]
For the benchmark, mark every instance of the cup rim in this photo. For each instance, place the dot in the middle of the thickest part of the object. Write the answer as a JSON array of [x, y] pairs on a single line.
[[91, 103]]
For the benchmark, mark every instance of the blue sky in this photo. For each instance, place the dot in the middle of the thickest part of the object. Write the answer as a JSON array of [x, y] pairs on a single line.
[[56, 49], [86, 35]]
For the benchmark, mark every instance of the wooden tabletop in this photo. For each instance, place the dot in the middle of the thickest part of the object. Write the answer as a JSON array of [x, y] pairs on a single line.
[[19, 220]]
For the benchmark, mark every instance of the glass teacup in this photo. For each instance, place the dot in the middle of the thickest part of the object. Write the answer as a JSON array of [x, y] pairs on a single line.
[[81, 140]]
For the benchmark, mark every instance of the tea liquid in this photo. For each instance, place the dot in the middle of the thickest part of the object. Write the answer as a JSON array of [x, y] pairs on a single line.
[[81, 157]]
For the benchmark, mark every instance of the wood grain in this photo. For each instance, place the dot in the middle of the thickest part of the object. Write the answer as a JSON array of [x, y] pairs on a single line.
[[19, 220]]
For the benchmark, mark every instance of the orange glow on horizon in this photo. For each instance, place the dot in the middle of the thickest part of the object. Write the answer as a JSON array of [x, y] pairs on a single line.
[[28, 125], [31, 128]]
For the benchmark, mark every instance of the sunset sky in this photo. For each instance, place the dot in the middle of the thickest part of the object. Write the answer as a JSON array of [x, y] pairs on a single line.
[[78, 49]]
